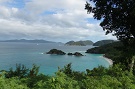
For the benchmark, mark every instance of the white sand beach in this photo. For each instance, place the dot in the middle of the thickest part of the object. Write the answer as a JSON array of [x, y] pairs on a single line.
[[109, 60]]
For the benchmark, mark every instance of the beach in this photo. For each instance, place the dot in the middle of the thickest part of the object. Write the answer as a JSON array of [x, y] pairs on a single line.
[[109, 60]]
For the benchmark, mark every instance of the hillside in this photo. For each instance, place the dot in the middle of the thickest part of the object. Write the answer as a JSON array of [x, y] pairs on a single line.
[[103, 42], [80, 43], [111, 50]]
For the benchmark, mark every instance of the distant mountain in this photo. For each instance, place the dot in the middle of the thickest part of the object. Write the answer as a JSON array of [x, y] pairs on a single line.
[[80, 43], [103, 42], [28, 41]]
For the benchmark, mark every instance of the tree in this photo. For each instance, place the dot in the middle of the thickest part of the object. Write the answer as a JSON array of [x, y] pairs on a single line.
[[118, 17]]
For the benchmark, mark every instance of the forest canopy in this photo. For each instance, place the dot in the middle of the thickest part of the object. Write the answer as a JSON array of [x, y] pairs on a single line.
[[117, 16]]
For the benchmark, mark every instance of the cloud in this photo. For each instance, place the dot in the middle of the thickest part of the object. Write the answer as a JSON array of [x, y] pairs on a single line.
[[61, 20], [3, 1], [4, 12]]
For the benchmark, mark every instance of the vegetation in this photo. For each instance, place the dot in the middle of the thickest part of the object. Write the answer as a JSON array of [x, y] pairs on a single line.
[[78, 54], [59, 52], [116, 52], [112, 49], [75, 54], [103, 42], [80, 43], [118, 17], [55, 51], [98, 78]]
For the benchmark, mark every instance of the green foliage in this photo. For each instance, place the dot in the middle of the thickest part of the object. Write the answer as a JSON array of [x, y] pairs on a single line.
[[113, 51], [11, 83], [21, 71], [100, 71], [80, 43], [33, 77], [103, 42], [104, 82], [70, 73], [34, 71], [112, 78], [98, 78], [115, 46], [61, 81], [116, 15], [35, 81], [117, 52], [119, 17], [67, 69]]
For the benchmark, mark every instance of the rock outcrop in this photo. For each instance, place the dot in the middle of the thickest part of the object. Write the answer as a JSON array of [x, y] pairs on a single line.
[[56, 51], [75, 54]]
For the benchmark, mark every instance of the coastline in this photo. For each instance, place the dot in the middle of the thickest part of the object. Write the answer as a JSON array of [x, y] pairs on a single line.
[[108, 60]]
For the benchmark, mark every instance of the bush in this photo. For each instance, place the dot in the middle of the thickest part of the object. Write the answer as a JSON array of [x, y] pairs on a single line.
[[98, 78], [21, 71]]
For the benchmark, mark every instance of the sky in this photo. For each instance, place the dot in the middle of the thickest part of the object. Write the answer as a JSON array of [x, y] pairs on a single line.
[[53, 20]]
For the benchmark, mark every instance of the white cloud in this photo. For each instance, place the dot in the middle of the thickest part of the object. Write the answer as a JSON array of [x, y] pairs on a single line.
[[7, 13], [68, 22], [4, 12], [14, 10], [3, 1]]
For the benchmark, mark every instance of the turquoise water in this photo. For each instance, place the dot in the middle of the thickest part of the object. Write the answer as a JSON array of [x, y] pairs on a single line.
[[32, 53]]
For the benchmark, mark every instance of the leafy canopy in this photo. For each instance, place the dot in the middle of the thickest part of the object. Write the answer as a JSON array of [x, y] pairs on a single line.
[[117, 16]]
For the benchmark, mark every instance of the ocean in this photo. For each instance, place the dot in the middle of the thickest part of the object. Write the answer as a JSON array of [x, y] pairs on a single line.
[[12, 53]]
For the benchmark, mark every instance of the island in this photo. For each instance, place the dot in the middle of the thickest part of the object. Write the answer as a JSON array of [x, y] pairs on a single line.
[[59, 52], [75, 54], [103, 42], [28, 41], [79, 43], [56, 51]]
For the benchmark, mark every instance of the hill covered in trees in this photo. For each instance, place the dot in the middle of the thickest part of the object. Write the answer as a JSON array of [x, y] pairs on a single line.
[[79, 43], [115, 51], [103, 42]]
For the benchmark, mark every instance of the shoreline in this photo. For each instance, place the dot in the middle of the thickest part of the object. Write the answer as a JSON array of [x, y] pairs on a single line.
[[108, 60]]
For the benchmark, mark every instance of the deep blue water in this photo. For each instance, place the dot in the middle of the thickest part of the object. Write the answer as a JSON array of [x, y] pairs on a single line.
[[32, 53]]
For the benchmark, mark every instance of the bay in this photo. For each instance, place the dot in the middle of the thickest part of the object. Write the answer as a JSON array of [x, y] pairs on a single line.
[[12, 53]]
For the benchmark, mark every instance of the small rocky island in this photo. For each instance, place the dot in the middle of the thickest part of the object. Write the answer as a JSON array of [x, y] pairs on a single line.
[[75, 54], [56, 51], [59, 52]]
